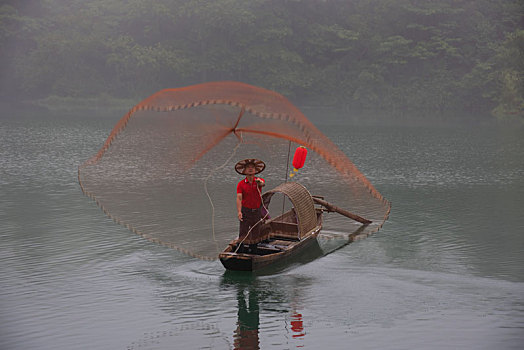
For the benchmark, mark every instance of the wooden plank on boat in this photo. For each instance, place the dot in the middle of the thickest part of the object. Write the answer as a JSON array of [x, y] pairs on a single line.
[[283, 243]]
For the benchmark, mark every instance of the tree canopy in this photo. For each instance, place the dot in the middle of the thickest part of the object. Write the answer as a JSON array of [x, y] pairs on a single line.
[[392, 55]]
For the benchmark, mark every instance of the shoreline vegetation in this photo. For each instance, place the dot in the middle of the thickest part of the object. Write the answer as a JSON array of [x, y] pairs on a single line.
[[400, 57]]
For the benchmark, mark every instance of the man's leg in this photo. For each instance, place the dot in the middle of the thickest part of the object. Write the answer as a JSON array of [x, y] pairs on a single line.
[[255, 231], [244, 225]]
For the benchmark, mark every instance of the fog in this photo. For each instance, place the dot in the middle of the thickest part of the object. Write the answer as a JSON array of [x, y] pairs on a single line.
[[366, 58]]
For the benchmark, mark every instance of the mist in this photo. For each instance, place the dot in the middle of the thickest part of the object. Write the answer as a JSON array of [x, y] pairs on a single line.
[[386, 57]]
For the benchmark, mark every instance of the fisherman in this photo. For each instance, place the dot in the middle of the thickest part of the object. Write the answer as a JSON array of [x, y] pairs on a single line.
[[249, 200]]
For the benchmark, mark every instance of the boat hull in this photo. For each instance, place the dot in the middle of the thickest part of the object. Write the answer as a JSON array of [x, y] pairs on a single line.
[[266, 254]]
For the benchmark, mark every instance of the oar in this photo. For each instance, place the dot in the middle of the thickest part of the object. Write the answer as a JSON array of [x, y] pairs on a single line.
[[331, 207]]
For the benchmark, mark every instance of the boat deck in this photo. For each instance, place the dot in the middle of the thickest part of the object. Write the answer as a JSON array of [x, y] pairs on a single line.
[[269, 246]]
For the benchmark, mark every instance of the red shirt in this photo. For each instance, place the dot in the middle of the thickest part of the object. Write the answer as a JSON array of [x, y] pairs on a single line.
[[250, 193]]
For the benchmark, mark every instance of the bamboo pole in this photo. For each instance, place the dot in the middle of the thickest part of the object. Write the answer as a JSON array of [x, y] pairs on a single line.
[[331, 207]]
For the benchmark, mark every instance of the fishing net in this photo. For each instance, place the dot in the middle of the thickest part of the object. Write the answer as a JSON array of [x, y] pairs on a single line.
[[166, 171]]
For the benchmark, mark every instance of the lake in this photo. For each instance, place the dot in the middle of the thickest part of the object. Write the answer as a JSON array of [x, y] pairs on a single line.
[[445, 271]]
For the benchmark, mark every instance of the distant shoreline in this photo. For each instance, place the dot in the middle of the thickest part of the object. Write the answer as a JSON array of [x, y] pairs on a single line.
[[317, 114], [67, 103]]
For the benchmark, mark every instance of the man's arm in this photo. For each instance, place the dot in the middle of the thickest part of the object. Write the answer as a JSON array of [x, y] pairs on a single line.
[[239, 206]]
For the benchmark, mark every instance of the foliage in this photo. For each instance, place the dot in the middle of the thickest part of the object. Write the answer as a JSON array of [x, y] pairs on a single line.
[[391, 55]]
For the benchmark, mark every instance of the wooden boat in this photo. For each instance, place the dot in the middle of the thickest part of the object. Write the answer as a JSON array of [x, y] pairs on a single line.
[[284, 236]]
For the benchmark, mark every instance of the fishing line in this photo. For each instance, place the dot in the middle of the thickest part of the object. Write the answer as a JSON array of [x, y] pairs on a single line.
[[258, 222], [262, 200], [240, 141]]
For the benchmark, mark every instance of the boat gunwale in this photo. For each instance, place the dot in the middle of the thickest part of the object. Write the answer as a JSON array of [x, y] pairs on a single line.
[[260, 261]]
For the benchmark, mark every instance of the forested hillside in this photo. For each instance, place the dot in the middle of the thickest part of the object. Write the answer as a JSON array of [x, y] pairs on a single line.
[[388, 55]]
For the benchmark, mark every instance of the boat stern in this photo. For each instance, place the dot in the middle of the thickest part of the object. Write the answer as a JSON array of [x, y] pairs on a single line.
[[236, 261]]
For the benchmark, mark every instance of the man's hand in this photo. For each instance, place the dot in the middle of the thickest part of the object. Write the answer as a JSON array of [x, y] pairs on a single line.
[[240, 215]]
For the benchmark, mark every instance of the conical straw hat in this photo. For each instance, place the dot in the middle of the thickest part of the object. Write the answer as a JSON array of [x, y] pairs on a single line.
[[240, 167]]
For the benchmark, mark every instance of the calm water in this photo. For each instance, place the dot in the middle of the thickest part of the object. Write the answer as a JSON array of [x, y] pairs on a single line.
[[446, 270]]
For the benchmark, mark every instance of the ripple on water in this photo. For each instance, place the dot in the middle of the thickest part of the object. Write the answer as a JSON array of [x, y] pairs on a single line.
[[73, 278]]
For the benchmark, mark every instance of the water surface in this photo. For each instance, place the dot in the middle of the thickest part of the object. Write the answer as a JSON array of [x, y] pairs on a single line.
[[445, 271]]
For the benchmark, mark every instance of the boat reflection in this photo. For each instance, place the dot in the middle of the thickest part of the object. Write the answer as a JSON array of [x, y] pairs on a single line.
[[252, 291], [248, 292], [252, 294]]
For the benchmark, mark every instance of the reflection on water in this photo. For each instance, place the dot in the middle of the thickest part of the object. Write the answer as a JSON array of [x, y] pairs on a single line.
[[246, 334], [253, 296], [446, 270], [297, 325]]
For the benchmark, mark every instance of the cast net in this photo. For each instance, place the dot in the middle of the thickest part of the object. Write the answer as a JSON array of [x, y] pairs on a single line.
[[166, 171]]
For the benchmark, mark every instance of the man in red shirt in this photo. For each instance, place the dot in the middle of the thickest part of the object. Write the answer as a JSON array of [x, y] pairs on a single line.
[[249, 199]]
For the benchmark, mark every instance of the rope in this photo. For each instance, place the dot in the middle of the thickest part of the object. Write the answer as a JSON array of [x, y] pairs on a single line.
[[240, 140], [258, 222]]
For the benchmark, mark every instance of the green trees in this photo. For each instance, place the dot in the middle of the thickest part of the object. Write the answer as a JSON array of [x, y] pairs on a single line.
[[391, 55], [508, 76]]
